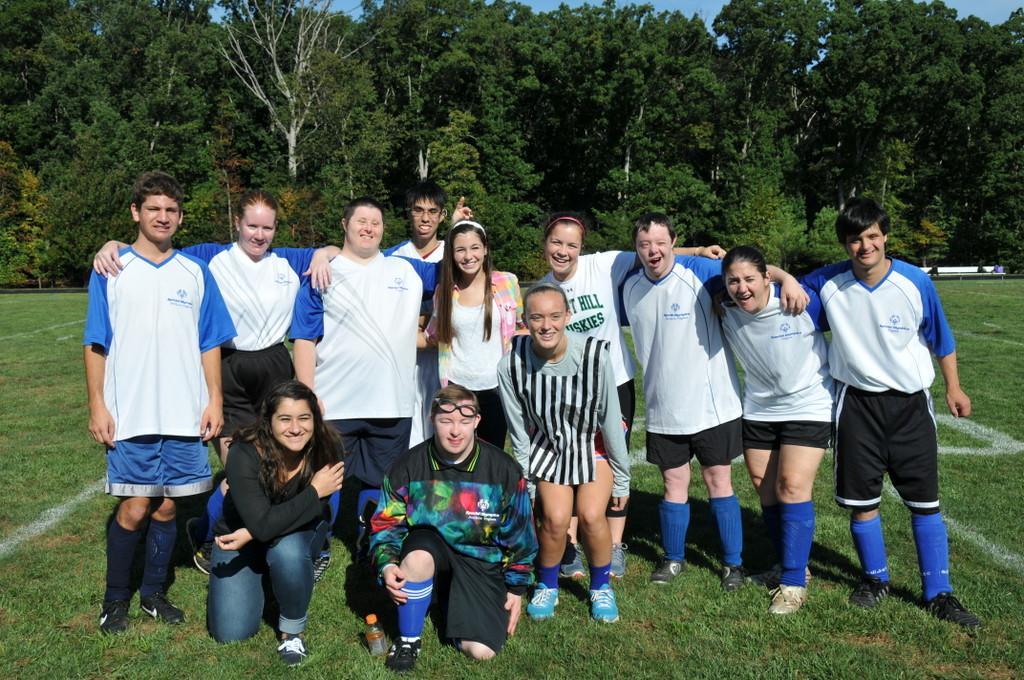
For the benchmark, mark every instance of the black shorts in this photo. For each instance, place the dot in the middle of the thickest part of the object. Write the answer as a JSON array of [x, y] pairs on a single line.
[[246, 377], [372, 445], [770, 435], [717, 445], [887, 432], [471, 592]]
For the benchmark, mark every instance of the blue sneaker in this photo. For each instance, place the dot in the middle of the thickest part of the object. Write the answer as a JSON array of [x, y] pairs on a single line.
[[542, 604], [602, 605], [573, 569]]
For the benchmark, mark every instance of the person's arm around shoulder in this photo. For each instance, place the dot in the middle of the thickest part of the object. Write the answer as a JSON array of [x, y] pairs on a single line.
[[107, 261], [320, 266], [792, 295]]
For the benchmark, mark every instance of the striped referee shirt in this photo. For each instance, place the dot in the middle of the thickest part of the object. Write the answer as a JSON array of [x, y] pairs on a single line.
[[554, 411]]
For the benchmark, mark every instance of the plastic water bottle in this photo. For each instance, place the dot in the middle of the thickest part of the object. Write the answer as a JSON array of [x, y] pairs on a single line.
[[376, 641]]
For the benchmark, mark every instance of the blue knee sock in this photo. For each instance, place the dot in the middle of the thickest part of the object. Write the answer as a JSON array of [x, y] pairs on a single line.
[[334, 501], [870, 544], [159, 549], [675, 520], [599, 576], [120, 551], [214, 510], [797, 535], [730, 528], [773, 526], [932, 553], [413, 613], [548, 576]]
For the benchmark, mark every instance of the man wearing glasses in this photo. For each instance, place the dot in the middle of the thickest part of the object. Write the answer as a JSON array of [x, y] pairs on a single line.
[[454, 511]]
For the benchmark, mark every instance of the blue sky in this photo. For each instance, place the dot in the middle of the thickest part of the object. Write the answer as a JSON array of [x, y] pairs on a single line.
[[992, 11]]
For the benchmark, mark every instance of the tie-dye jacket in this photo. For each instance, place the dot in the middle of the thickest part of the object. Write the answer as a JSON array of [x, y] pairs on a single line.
[[480, 507], [509, 301]]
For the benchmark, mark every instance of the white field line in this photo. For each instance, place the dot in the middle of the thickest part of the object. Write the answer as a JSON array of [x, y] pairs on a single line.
[[47, 519], [40, 330], [982, 336], [998, 553], [999, 444]]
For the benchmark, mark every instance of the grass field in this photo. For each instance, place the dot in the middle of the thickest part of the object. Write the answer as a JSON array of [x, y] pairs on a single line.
[[51, 585]]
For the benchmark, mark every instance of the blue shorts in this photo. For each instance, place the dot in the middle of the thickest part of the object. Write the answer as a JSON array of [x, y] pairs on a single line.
[[154, 466]]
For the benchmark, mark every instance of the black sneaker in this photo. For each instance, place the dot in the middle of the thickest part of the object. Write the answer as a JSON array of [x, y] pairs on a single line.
[[202, 550], [869, 592], [946, 607], [160, 608], [666, 571], [733, 577], [292, 650], [320, 564], [114, 617], [402, 656]]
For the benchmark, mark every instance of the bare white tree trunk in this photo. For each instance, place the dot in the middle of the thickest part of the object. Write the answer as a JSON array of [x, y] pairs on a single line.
[[291, 88]]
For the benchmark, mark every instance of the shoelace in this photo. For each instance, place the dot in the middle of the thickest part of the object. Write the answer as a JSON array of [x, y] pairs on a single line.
[[602, 598], [542, 597], [293, 645]]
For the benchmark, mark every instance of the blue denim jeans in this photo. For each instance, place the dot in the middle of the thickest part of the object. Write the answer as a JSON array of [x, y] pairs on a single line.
[[235, 601]]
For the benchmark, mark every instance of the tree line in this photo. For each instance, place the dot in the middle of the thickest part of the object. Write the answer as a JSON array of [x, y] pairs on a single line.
[[755, 131]]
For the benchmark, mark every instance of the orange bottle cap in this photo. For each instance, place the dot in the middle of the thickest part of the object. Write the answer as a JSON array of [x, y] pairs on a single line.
[[371, 619]]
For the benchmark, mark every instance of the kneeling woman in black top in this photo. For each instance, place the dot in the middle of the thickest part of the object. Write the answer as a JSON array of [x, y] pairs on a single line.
[[281, 471]]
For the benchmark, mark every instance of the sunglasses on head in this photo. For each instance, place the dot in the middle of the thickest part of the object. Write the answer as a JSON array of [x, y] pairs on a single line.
[[449, 406]]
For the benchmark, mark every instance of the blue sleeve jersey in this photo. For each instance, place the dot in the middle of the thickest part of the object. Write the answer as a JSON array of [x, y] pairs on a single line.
[[882, 336]]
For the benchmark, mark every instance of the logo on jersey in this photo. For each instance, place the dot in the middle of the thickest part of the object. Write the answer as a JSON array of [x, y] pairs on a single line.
[[481, 513], [675, 314], [281, 278], [180, 299], [398, 284], [483, 505], [894, 325], [785, 331]]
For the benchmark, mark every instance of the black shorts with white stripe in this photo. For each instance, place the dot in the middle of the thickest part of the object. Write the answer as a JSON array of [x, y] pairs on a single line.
[[886, 432]]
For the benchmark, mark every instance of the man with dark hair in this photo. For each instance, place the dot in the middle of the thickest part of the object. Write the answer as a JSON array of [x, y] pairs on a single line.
[[152, 365], [887, 321], [355, 345], [455, 511]]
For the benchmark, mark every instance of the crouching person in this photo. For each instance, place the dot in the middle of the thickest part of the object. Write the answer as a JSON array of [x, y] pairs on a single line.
[[454, 514], [281, 472]]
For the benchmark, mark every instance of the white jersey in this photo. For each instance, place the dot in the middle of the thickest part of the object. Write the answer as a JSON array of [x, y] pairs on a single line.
[[155, 321], [592, 293], [408, 249], [881, 336], [785, 361], [474, 362], [366, 324], [260, 295], [690, 382]]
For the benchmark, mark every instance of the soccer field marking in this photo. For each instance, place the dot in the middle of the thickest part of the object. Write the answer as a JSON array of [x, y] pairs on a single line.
[[999, 444], [998, 553], [47, 519], [982, 336], [992, 325], [41, 330]]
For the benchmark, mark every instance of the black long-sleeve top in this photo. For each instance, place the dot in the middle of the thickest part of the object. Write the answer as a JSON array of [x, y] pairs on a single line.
[[248, 505]]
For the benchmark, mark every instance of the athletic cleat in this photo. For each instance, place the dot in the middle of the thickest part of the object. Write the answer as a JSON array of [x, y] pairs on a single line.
[[320, 564], [573, 569], [542, 604], [869, 593], [666, 571], [787, 599], [293, 650], [160, 608], [772, 578], [733, 577], [602, 605], [402, 656], [202, 551], [114, 617], [947, 608], [618, 565]]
